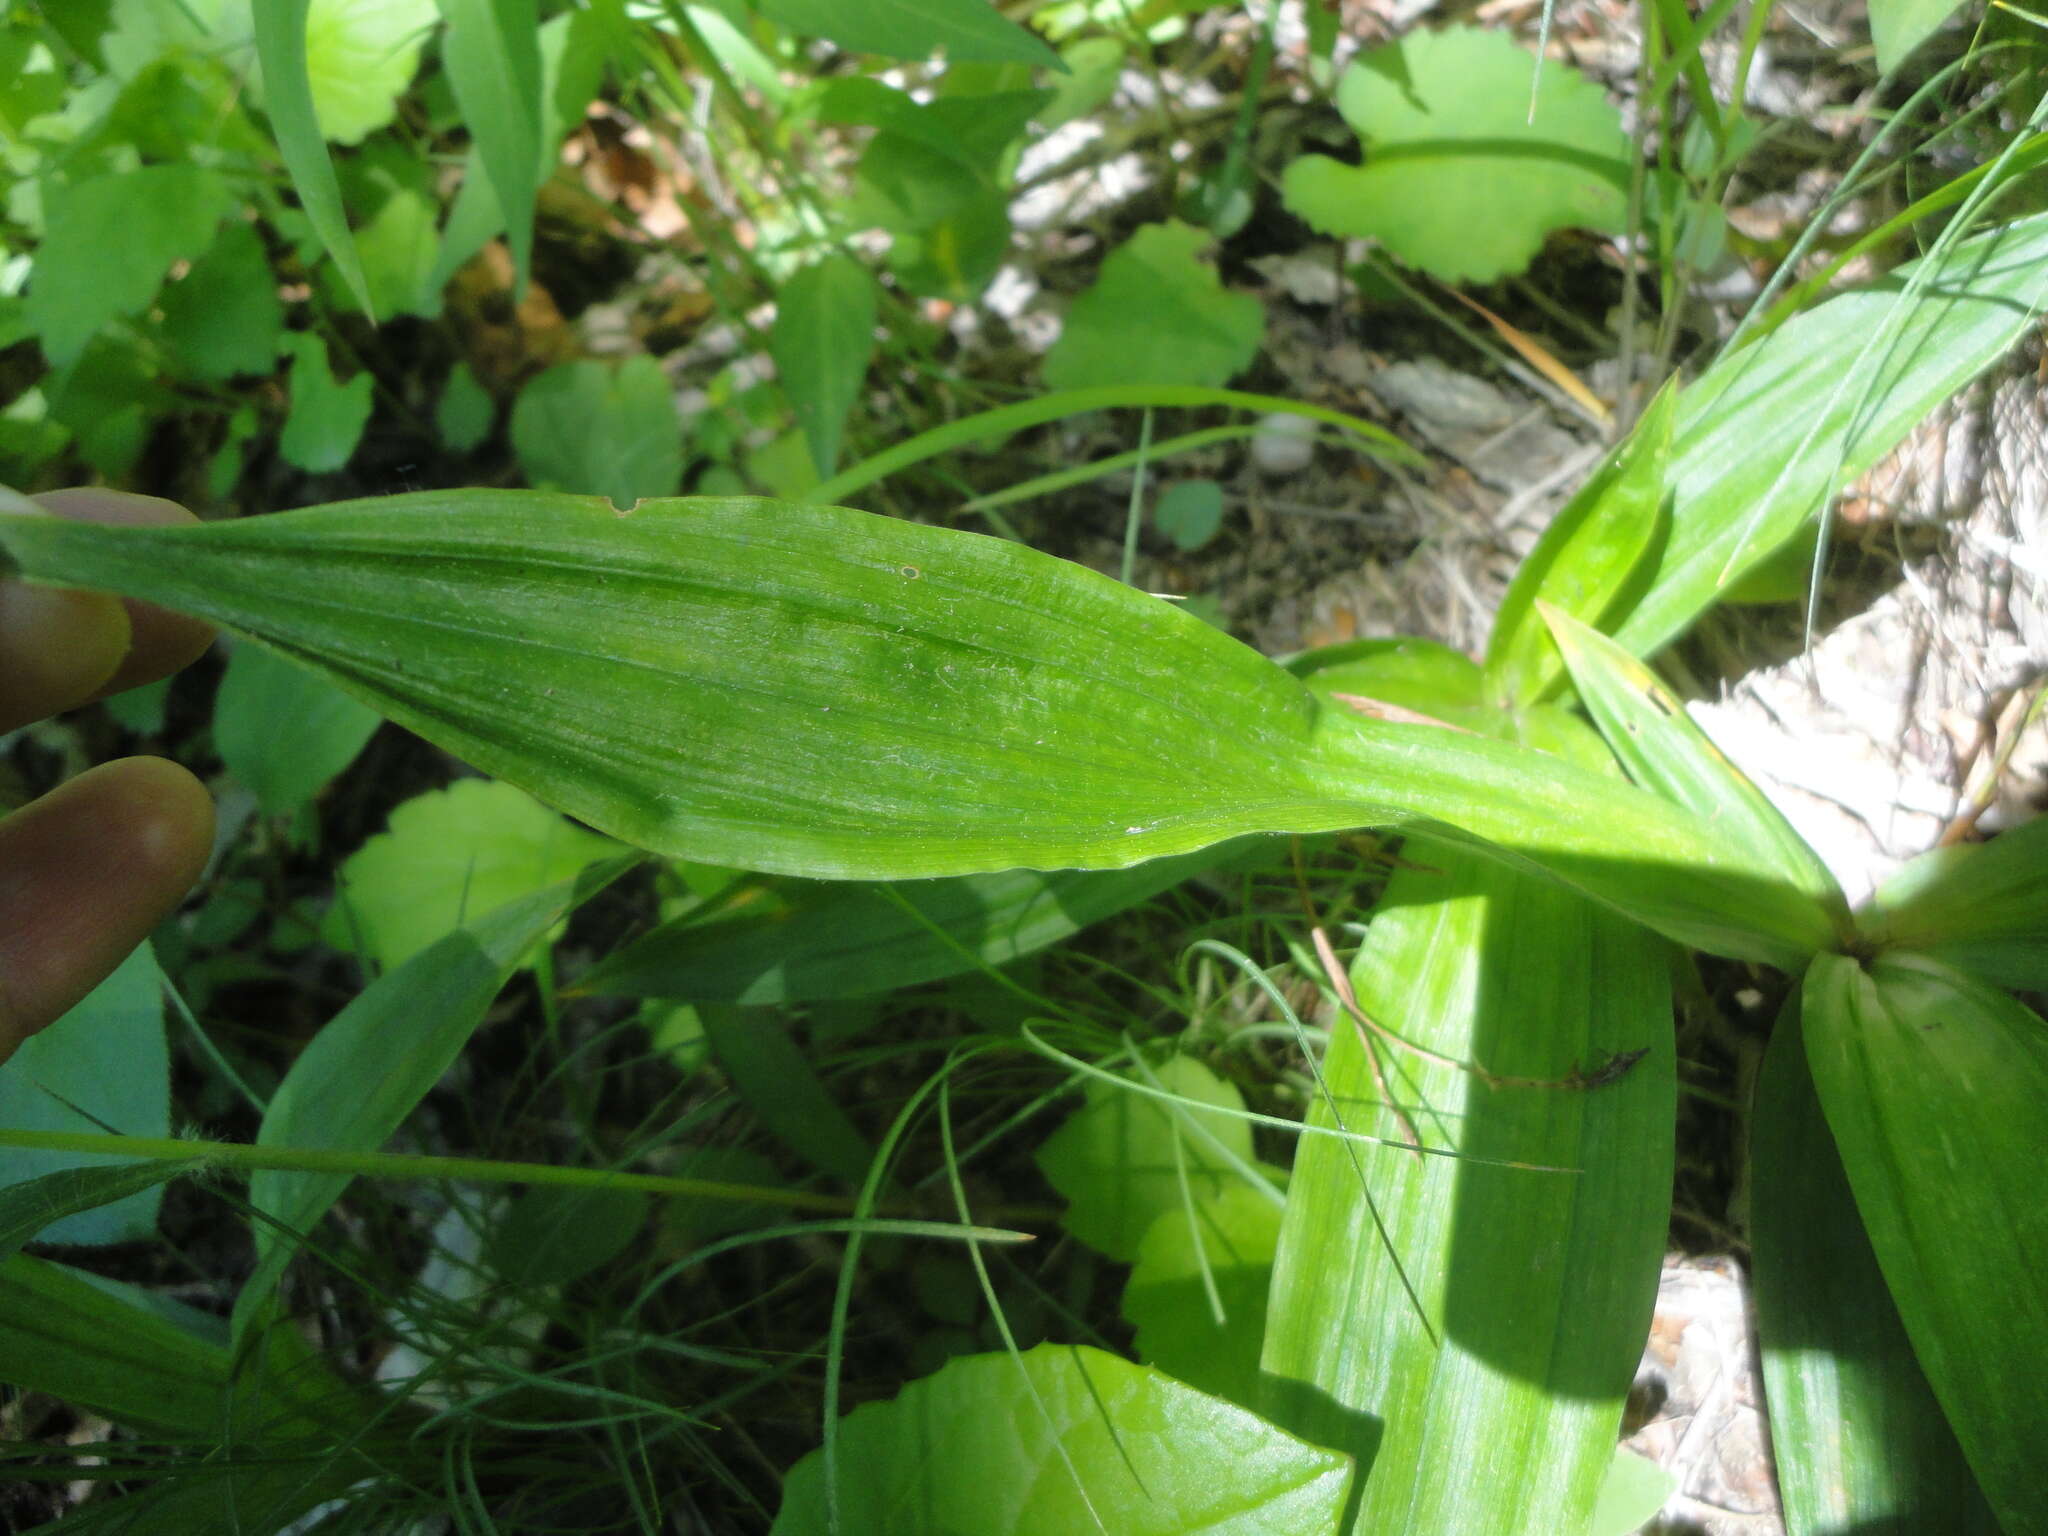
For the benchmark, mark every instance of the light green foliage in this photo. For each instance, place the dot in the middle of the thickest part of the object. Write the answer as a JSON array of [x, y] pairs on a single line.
[[108, 243], [1583, 562], [585, 427], [1127, 1159], [1900, 26], [104, 1065], [284, 731], [360, 56], [399, 245], [1457, 179], [1169, 1300], [823, 338], [448, 857], [466, 412], [994, 1446], [1936, 1089], [223, 317], [1190, 512], [1653, 737], [1094, 65], [914, 29], [327, 416], [1771, 430], [1635, 1489], [1156, 315], [1862, 1442]]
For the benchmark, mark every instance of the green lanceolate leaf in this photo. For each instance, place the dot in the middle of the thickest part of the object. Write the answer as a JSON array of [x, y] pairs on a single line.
[[816, 691], [1656, 741], [1936, 1089], [915, 29], [288, 98], [1769, 432], [29, 1207], [1982, 907], [823, 339], [1585, 558], [859, 939], [492, 55], [375, 1060], [1431, 1313], [1859, 1441], [1063, 1438]]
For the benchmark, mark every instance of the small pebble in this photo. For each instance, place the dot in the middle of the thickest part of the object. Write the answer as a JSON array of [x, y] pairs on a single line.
[[1284, 445]]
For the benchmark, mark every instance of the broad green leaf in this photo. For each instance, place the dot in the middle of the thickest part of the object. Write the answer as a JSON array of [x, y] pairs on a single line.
[[104, 1066], [280, 33], [1769, 432], [1634, 1490], [1465, 172], [779, 1083], [1859, 1441], [584, 427], [1585, 558], [1069, 1439], [557, 1233], [108, 243], [823, 338], [914, 29], [398, 245], [448, 857], [1125, 1159], [284, 731], [1665, 752], [34, 1206], [327, 416], [1507, 1350], [1094, 66], [363, 1073], [223, 317], [466, 412], [107, 398], [491, 53], [1190, 513], [1936, 1089], [856, 939], [1157, 314], [1980, 907], [360, 55], [143, 1360], [973, 132], [111, 1348], [1197, 1292], [811, 690], [1900, 26], [1417, 674]]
